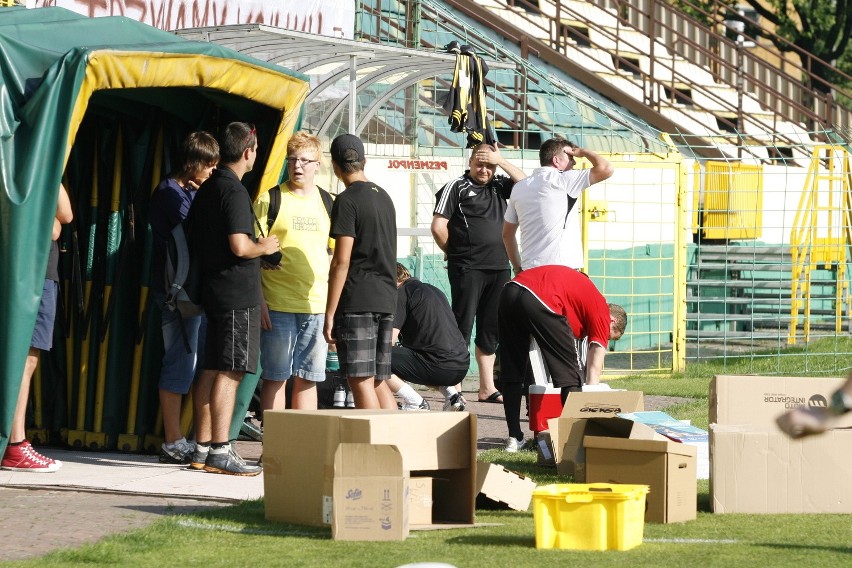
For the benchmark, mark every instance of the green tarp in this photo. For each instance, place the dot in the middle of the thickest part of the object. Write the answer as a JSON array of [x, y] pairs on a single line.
[[102, 103]]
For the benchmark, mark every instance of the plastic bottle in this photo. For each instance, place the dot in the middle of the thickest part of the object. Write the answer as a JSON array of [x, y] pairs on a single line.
[[339, 400]]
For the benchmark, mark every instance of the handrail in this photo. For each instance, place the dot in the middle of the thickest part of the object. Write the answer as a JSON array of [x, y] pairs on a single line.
[[650, 81], [757, 71]]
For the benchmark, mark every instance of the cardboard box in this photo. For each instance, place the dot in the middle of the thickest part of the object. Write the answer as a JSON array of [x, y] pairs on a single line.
[[679, 431], [420, 501], [755, 468], [370, 493], [299, 451], [567, 431], [758, 401], [667, 467], [499, 485]]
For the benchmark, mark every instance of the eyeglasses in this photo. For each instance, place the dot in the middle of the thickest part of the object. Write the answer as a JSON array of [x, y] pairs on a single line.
[[301, 161]]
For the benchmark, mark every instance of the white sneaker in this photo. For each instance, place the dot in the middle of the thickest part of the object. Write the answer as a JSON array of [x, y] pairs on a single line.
[[455, 403], [422, 406], [513, 445]]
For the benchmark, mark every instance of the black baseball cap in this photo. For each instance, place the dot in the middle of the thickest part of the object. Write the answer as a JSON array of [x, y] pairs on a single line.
[[347, 148]]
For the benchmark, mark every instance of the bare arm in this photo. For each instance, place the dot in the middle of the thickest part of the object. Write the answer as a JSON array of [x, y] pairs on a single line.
[[243, 247], [594, 363], [601, 169], [394, 336], [63, 213], [336, 279], [510, 241], [490, 155], [440, 232]]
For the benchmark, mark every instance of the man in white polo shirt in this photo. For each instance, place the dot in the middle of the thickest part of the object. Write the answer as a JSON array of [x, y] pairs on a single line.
[[542, 206]]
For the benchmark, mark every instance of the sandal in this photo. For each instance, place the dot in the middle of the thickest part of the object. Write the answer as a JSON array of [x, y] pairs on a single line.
[[492, 398]]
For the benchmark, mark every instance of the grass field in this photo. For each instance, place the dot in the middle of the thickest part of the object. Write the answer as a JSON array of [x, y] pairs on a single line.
[[240, 536]]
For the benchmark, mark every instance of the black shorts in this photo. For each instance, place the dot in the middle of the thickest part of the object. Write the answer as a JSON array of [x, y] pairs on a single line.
[[476, 295], [233, 340], [523, 316], [410, 366]]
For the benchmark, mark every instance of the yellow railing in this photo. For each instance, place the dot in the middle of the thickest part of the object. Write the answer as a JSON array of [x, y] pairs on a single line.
[[821, 234]]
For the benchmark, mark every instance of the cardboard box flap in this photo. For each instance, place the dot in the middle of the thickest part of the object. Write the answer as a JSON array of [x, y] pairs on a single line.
[[634, 445], [373, 460], [602, 404], [622, 428], [421, 448], [500, 485]]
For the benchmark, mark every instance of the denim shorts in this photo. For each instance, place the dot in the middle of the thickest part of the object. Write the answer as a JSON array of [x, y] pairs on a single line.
[[364, 344], [179, 367], [43, 330], [294, 347]]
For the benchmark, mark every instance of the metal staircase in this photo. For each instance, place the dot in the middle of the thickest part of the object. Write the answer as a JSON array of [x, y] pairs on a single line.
[[738, 288], [820, 240]]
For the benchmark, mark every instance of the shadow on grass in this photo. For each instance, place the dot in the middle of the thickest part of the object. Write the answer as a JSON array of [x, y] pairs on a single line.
[[837, 549], [504, 541]]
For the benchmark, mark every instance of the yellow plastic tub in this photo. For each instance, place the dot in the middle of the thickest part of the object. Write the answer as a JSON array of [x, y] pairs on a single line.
[[589, 516]]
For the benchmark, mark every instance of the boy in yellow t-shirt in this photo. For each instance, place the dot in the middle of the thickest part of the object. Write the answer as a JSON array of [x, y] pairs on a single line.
[[294, 292]]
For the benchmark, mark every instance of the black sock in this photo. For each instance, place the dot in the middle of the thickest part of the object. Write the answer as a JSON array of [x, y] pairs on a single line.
[[218, 445]]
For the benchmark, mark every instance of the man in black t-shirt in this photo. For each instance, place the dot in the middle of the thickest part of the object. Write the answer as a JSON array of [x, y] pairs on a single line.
[[222, 239], [362, 277], [432, 350], [468, 226]]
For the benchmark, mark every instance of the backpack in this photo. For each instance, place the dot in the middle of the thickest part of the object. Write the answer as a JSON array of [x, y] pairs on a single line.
[[183, 276], [275, 204]]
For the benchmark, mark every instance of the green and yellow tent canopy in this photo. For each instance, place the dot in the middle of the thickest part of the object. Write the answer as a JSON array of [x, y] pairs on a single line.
[[101, 104]]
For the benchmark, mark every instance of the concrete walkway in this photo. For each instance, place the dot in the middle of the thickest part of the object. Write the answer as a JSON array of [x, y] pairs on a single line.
[[96, 494]]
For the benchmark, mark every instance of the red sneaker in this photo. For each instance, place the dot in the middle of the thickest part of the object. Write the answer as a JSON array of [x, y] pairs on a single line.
[[23, 457]]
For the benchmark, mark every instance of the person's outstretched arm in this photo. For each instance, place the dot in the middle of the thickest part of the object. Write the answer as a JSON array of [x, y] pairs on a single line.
[[807, 421]]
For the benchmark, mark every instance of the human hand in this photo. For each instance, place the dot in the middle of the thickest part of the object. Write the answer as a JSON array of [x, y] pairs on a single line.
[[488, 154], [800, 422], [328, 330], [269, 244], [265, 320]]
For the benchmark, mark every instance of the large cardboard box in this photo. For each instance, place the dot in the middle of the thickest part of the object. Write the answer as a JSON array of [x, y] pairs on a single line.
[[370, 493], [667, 467], [754, 468], [575, 422], [497, 484], [299, 452], [758, 401]]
